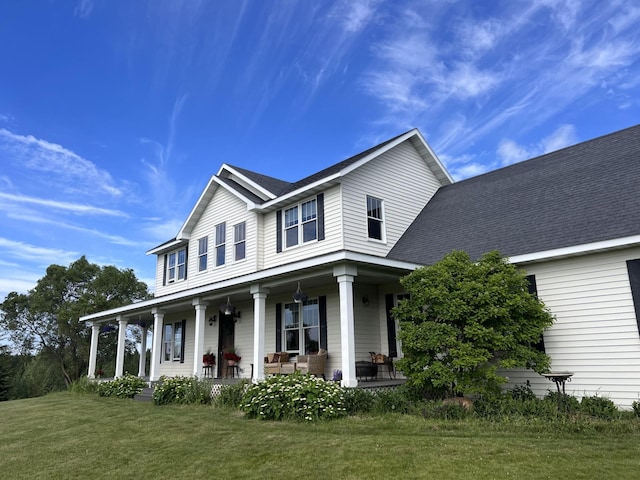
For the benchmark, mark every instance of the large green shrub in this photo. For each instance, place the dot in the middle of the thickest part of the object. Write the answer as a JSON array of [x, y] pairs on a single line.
[[599, 407], [127, 386], [299, 397], [84, 385], [358, 400], [182, 390]]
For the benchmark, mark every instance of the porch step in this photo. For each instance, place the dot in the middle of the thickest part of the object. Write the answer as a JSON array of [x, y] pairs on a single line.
[[146, 395]]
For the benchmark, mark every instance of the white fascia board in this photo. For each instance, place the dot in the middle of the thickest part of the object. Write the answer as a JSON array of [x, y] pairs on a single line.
[[252, 278], [437, 161], [167, 246], [255, 185], [295, 193], [205, 193], [250, 204], [575, 250]]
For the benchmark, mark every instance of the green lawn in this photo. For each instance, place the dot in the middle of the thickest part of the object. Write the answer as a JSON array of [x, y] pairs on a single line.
[[89, 437]]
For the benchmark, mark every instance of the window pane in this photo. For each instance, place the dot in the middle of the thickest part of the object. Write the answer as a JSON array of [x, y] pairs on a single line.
[[312, 340], [374, 208], [291, 316], [292, 236], [291, 217], [292, 340], [309, 231], [375, 229], [220, 255], [308, 210], [172, 260], [310, 313], [168, 339], [177, 341], [220, 233], [181, 256], [240, 251], [203, 244], [239, 232]]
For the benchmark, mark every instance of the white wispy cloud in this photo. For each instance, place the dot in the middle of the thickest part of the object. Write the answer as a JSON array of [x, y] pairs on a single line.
[[71, 171], [34, 253], [511, 152], [75, 208], [83, 8]]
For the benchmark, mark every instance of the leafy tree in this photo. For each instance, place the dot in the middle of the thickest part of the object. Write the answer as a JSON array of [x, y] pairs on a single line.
[[466, 319], [45, 320]]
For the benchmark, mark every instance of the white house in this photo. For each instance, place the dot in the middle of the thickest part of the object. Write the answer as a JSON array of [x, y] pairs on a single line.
[[346, 234]]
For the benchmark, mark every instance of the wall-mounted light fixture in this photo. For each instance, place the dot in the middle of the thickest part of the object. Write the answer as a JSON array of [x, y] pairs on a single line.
[[365, 300], [212, 320], [298, 296]]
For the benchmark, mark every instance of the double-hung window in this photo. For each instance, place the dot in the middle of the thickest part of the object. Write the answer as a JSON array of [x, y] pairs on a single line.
[[305, 216], [203, 248], [375, 218], [177, 266], [239, 241], [221, 234], [302, 327], [173, 342]]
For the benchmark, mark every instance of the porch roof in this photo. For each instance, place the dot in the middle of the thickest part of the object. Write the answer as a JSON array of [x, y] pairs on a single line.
[[370, 266]]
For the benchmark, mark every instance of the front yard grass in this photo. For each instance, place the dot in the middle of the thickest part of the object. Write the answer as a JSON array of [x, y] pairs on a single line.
[[71, 436]]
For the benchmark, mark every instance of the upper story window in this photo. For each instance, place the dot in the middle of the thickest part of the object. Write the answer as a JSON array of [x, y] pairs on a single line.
[[203, 248], [300, 223], [375, 218], [302, 327], [221, 233], [239, 241], [177, 266]]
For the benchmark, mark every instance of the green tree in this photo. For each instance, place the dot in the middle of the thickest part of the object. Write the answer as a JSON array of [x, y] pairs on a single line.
[[45, 320], [466, 319]]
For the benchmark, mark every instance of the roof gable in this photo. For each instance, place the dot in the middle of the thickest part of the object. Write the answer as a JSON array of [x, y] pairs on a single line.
[[581, 194]]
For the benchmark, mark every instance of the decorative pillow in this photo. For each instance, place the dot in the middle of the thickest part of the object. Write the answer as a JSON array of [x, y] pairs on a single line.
[[276, 357], [284, 357]]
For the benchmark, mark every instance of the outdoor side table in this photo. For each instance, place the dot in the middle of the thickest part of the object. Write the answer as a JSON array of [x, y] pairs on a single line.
[[559, 378]]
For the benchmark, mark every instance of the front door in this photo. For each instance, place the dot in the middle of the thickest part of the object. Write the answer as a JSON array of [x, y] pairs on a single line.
[[227, 340]]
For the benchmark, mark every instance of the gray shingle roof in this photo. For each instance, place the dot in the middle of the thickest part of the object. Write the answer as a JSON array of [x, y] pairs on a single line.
[[272, 184], [581, 194]]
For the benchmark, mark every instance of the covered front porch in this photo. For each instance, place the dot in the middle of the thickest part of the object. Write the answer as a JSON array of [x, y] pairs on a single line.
[[343, 308]]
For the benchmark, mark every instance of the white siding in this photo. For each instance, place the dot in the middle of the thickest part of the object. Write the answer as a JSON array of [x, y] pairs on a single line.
[[332, 226], [399, 177], [223, 207], [595, 334]]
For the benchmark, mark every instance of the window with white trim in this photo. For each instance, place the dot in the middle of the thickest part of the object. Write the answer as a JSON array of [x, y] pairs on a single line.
[[304, 215], [302, 327], [375, 218], [177, 266], [221, 234], [239, 241], [172, 342], [203, 248]]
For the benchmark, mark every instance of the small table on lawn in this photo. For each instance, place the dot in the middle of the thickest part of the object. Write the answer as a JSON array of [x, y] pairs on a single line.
[[559, 378]]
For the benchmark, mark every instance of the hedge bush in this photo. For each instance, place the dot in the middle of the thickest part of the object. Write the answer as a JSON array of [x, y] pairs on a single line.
[[298, 397], [123, 387], [182, 390]]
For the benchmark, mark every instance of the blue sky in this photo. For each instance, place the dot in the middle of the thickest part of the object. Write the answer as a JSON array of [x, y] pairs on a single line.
[[114, 113]]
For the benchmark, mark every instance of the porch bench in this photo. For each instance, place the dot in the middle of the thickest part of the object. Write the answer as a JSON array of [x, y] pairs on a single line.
[[278, 364]]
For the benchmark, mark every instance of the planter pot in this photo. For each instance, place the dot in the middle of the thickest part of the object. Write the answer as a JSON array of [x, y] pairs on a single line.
[[231, 362], [209, 359]]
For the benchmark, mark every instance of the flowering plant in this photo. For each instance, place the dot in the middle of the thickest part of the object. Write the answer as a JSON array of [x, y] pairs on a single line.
[[99, 372], [231, 356]]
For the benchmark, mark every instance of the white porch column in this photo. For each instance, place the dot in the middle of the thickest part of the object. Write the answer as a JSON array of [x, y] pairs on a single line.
[[142, 365], [198, 349], [93, 350], [156, 345], [259, 321], [122, 335], [345, 275]]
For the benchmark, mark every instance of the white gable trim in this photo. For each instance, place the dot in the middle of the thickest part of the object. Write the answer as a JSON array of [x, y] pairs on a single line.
[[246, 179], [432, 163], [575, 250]]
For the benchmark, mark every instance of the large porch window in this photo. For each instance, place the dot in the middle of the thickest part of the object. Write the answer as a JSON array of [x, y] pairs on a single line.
[[302, 327], [173, 342]]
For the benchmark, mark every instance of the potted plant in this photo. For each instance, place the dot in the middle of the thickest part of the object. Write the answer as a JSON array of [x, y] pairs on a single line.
[[209, 358], [231, 356]]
